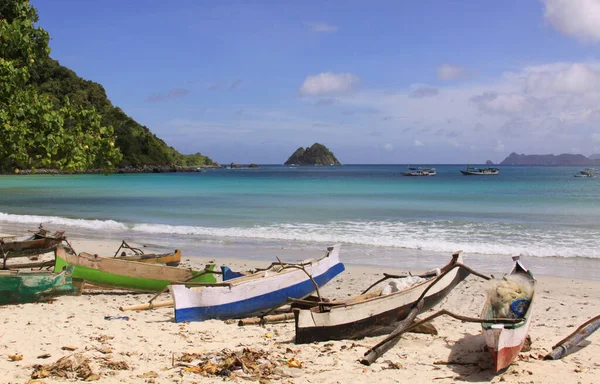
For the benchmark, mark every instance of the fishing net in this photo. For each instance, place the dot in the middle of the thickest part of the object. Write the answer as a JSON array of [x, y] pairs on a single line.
[[510, 297]]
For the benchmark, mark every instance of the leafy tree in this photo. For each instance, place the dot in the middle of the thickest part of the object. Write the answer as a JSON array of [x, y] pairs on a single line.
[[37, 130]]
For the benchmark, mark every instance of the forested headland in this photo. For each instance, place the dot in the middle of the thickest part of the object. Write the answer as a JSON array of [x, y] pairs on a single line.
[[52, 118]]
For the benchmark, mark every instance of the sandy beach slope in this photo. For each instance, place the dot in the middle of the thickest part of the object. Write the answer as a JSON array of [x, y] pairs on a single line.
[[152, 345]]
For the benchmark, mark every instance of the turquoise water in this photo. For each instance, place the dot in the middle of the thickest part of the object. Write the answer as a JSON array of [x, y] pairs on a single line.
[[542, 212]]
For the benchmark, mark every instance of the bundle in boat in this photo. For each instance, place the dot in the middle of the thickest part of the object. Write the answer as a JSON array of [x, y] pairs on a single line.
[[511, 297], [17, 287], [128, 275], [255, 293], [367, 313]]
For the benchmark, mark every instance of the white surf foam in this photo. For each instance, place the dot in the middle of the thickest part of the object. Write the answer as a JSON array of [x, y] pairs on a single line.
[[442, 236]]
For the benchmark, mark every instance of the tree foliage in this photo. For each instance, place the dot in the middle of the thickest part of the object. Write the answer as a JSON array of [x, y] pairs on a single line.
[[36, 131], [51, 118]]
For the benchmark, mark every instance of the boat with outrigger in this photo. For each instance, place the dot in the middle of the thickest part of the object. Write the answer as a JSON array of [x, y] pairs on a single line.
[[587, 172], [413, 171], [479, 171]]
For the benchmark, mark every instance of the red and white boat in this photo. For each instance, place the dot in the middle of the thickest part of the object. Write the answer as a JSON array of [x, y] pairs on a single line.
[[505, 341]]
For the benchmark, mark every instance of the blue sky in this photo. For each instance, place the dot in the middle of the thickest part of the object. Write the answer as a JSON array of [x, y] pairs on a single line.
[[377, 82]]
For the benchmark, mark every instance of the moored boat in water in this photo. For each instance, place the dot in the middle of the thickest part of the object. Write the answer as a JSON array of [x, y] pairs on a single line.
[[479, 171], [587, 172], [419, 172], [369, 312], [255, 293], [130, 275]]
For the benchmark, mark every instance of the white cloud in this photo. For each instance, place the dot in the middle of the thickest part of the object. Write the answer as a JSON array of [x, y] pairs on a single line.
[[507, 103], [322, 27], [577, 18], [418, 143], [574, 78], [451, 72], [328, 82], [388, 147]]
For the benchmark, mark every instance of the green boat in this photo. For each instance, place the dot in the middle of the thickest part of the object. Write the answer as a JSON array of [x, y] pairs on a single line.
[[17, 287], [130, 275]]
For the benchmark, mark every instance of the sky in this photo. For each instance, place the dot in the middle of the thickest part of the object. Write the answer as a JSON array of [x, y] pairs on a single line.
[[379, 82]]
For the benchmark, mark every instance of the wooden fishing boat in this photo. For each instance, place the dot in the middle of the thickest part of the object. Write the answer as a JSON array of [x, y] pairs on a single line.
[[136, 254], [365, 314], [130, 275], [472, 171], [505, 341], [419, 172], [39, 243], [255, 293], [18, 287]]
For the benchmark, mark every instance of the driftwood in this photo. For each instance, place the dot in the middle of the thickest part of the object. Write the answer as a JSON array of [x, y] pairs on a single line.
[[141, 307], [266, 319], [564, 346], [375, 352]]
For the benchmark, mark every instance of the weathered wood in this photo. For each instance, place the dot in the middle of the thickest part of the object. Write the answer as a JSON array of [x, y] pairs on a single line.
[[564, 346], [381, 348], [266, 319], [142, 307]]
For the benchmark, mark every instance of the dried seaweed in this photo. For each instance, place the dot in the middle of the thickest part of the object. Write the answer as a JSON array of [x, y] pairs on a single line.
[[69, 367]]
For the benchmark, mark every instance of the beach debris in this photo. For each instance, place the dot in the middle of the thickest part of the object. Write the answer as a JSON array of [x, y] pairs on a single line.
[[247, 363], [148, 375], [392, 365], [68, 348], [126, 318], [68, 367], [104, 350], [567, 344], [426, 328], [294, 363], [116, 365], [44, 356], [15, 357]]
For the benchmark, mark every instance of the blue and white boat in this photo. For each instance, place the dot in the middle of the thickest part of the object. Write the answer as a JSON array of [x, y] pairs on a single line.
[[255, 293]]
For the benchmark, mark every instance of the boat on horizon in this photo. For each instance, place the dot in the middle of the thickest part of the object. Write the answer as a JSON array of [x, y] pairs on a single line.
[[587, 172], [479, 171], [412, 171]]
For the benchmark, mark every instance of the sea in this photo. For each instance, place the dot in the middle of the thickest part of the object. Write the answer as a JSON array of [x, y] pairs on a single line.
[[542, 214]]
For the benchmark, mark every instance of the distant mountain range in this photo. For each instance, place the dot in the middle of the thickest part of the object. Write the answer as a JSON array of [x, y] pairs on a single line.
[[563, 159]]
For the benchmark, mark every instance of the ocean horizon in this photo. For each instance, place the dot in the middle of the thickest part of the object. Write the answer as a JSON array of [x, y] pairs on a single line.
[[381, 218]]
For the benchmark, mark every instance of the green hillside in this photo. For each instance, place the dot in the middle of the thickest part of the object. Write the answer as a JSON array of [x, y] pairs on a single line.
[[137, 143], [52, 118]]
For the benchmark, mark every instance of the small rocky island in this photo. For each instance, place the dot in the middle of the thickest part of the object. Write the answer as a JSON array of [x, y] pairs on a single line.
[[318, 154]]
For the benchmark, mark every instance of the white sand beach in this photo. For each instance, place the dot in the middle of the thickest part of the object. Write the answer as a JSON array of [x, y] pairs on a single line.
[[149, 346]]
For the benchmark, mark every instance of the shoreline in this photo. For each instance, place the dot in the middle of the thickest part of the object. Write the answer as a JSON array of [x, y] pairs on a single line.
[[152, 346], [390, 258]]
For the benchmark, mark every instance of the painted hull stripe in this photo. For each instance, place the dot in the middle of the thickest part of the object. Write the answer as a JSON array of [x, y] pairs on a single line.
[[259, 303]]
